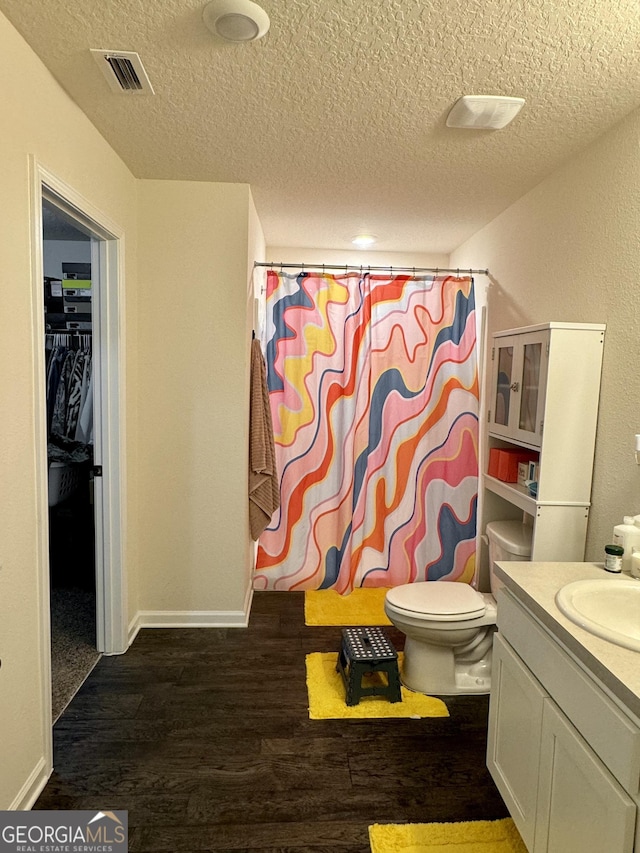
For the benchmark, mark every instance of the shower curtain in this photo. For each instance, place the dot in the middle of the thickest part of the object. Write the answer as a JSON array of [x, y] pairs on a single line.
[[373, 388]]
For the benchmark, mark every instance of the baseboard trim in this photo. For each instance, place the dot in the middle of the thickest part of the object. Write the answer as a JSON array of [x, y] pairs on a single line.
[[189, 619], [193, 619], [134, 627], [248, 600], [33, 787]]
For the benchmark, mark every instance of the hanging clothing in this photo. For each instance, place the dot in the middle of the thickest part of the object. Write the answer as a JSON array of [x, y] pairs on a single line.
[[373, 389], [84, 430], [55, 361], [86, 387], [69, 401], [264, 487], [75, 394], [62, 391]]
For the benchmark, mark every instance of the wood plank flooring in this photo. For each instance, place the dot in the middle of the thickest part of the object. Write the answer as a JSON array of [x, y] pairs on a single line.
[[203, 735]]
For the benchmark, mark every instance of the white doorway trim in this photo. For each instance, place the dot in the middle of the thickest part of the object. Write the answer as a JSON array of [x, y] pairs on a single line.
[[109, 395]]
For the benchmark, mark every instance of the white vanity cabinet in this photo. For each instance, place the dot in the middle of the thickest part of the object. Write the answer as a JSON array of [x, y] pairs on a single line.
[[544, 400], [564, 757]]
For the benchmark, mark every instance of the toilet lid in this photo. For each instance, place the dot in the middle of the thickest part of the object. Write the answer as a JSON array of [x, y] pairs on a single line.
[[438, 599]]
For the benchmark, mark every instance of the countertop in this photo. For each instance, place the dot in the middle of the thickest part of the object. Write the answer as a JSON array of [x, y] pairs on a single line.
[[536, 585]]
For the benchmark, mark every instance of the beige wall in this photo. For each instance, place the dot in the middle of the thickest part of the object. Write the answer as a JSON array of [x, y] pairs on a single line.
[[47, 125], [193, 345], [570, 250], [188, 328]]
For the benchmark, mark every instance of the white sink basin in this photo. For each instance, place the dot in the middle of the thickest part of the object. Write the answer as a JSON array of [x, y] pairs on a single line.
[[607, 608]]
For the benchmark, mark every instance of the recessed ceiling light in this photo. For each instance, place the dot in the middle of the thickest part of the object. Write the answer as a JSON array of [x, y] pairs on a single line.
[[363, 241], [236, 20], [484, 112]]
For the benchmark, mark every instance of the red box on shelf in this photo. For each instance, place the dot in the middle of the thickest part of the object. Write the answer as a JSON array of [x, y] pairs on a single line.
[[503, 464]]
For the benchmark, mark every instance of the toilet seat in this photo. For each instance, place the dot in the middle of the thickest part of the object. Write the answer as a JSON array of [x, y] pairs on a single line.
[[438, 601]]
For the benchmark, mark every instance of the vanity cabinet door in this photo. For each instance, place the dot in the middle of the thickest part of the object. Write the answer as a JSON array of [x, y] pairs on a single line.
[[581, 807], [513, 745]]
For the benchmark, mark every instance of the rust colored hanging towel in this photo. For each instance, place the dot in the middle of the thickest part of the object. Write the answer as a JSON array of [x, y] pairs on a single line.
[[264, 488]]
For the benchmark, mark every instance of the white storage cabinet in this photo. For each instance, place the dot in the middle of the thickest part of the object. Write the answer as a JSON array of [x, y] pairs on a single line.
[[544, 398]]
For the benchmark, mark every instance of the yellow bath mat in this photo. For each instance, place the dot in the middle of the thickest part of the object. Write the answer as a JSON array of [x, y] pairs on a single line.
[[327, 696], [477, 836], [363, 606]]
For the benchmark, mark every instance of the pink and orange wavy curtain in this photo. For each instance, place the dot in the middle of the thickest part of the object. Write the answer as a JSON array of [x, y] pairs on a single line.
[[373, 387]]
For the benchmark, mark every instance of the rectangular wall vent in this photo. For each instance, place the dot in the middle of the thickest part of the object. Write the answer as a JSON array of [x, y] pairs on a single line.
[[123, 71]]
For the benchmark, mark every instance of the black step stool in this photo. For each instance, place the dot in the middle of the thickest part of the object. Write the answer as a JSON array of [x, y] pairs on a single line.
[[368, 650]]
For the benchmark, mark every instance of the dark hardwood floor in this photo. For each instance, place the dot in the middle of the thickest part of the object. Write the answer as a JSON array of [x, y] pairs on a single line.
[[203, 735]]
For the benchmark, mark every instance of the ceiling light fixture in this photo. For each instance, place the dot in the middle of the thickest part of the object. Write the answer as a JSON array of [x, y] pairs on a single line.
[[484, 112], [363, 241], [236, 20]]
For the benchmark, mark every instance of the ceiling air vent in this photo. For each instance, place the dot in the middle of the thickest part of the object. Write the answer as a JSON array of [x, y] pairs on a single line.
[[123, 71]]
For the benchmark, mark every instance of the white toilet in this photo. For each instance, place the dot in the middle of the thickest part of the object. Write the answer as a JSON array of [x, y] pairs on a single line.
[[449, 626]]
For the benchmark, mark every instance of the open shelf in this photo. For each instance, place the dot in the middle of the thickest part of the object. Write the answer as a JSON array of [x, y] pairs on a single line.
[[512, 492]]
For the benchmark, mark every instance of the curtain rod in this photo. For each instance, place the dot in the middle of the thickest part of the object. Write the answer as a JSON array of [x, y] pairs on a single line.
[[367, 268]]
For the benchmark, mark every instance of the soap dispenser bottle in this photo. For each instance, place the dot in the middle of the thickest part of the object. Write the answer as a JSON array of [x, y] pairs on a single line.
[[627, 534]]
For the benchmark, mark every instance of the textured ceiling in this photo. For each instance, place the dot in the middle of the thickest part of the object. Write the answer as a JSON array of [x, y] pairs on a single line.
[[337, 117]]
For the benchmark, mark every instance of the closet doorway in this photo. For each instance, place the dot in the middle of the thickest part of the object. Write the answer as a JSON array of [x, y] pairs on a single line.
[[77, 280], [68, 318]]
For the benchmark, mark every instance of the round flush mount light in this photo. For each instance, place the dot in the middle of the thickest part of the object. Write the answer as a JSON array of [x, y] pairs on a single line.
[[363, 241], [236, 20]]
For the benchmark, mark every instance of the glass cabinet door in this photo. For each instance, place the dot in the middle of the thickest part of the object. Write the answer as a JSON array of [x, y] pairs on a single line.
[[534, 347], [519, 370], [532, 358], [504, 380]]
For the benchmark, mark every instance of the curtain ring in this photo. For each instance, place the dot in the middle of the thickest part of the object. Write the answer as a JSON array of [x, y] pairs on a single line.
[[458, 272]]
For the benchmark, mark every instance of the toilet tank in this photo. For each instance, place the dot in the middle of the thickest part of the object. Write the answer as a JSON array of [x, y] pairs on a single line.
[[508, 540]]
